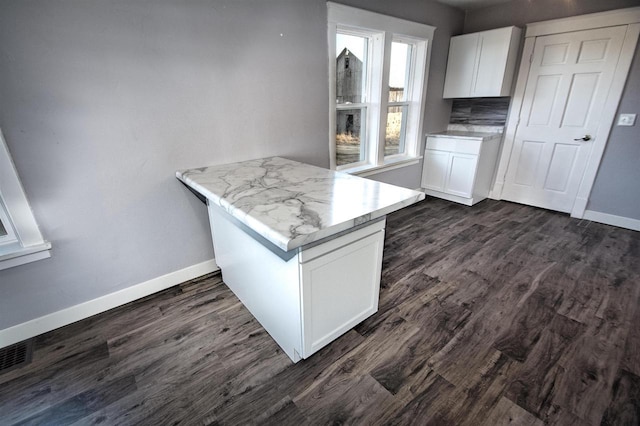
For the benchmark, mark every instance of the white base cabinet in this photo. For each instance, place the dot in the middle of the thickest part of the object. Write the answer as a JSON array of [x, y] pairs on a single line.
[[460, 169], [308, 297]]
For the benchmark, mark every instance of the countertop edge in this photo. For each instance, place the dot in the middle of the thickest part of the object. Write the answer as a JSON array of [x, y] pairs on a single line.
[[291, 244], [343, 226]]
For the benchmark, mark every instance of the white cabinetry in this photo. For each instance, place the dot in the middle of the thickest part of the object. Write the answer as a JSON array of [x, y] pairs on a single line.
[[460, 169], [309, 296], [482, 64]]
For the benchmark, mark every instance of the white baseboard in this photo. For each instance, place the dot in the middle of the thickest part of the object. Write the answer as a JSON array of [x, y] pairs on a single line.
[[34, 327], [611, 219]]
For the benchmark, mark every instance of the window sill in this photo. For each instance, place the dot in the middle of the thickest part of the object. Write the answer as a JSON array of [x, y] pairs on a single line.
[[11, 256], [396, 163]]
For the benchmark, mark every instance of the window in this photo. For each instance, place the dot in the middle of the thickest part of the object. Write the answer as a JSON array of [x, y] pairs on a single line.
[[20, 239], [378, 72]]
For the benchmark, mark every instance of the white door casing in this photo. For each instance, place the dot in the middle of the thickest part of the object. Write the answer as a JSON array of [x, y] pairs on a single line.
[[569, 88]]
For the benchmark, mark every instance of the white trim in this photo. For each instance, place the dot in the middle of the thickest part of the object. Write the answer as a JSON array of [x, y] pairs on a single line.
[[331, 41], [579, 206], [513, 118], [24, 238], [589, 21], [21, 255], [339, 14], [26, 330], [451, 197], [10, 237], [611, 219], [15, 200], [373, 170]]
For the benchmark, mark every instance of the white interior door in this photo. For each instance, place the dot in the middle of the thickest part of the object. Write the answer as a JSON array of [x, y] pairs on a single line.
[[568, 83]]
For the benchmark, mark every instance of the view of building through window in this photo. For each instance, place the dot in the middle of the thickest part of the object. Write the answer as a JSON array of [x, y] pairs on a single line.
[[398, 106], [351, 110], [351, 107]]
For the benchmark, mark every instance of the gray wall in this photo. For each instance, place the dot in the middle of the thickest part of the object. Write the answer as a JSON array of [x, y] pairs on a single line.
[[521, 12], [102, 100], [615, 190]]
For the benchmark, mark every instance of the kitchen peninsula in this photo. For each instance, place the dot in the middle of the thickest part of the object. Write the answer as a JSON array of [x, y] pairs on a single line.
[[301, 246]]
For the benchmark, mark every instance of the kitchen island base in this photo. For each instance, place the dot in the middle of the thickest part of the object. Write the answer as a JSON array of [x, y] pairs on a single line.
[[309, 296]]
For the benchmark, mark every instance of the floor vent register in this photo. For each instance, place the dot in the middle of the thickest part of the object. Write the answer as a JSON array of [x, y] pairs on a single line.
[[15, 356]]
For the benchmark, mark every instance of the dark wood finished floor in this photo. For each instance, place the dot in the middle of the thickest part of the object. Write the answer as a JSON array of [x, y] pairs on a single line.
[[491, 315]]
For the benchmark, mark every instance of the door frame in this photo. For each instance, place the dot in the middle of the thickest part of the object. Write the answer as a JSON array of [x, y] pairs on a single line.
[[629, 17]]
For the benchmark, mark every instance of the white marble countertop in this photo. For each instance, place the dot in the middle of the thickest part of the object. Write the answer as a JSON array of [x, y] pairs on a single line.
[[292, 204], [461, 134]]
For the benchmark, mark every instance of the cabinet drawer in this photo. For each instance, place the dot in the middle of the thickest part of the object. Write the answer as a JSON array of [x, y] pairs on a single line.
[[462, 146]]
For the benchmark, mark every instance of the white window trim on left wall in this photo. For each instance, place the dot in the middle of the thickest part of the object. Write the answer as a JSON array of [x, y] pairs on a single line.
[[24, 242], [384, 29]]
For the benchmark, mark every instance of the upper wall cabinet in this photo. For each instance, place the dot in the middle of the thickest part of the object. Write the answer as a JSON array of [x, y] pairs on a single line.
[[482, 64]]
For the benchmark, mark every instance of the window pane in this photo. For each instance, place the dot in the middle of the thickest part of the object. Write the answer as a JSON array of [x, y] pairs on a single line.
[[349, 136], [350, 70], [396, 130], [399, 71], [3, 230]]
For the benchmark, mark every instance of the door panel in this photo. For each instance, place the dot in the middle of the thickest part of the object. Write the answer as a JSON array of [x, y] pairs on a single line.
[[567, 86], [562, 162], [580, 99], [544, 98], [554, 54], [530, 154], [593, 51]]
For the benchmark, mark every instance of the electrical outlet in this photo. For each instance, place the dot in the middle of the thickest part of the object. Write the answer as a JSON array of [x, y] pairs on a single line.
[[626, 119]]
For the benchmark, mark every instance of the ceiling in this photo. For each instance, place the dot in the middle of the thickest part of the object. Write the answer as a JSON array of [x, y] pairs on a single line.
[[471, 4]]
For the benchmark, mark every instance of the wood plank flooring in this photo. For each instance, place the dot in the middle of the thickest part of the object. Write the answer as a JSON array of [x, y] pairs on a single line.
[[492, 315]]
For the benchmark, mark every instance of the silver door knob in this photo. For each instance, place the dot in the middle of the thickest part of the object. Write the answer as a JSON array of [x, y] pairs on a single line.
[[584, 138]]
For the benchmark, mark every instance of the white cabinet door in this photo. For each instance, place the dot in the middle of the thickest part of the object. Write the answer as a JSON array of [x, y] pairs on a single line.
[[493, 49], [436, 168], [339, 290], [462, 172], [461, 65]]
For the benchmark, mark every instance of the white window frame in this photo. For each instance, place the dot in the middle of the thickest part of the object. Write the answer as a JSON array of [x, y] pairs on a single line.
[[11, 237], [382, 31], [24, 242]]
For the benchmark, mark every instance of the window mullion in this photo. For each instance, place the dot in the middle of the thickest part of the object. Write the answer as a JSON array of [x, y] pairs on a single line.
[[383, 98], [331, 40], [416, 96], [399, 103], [375, 91], [351, 106]]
